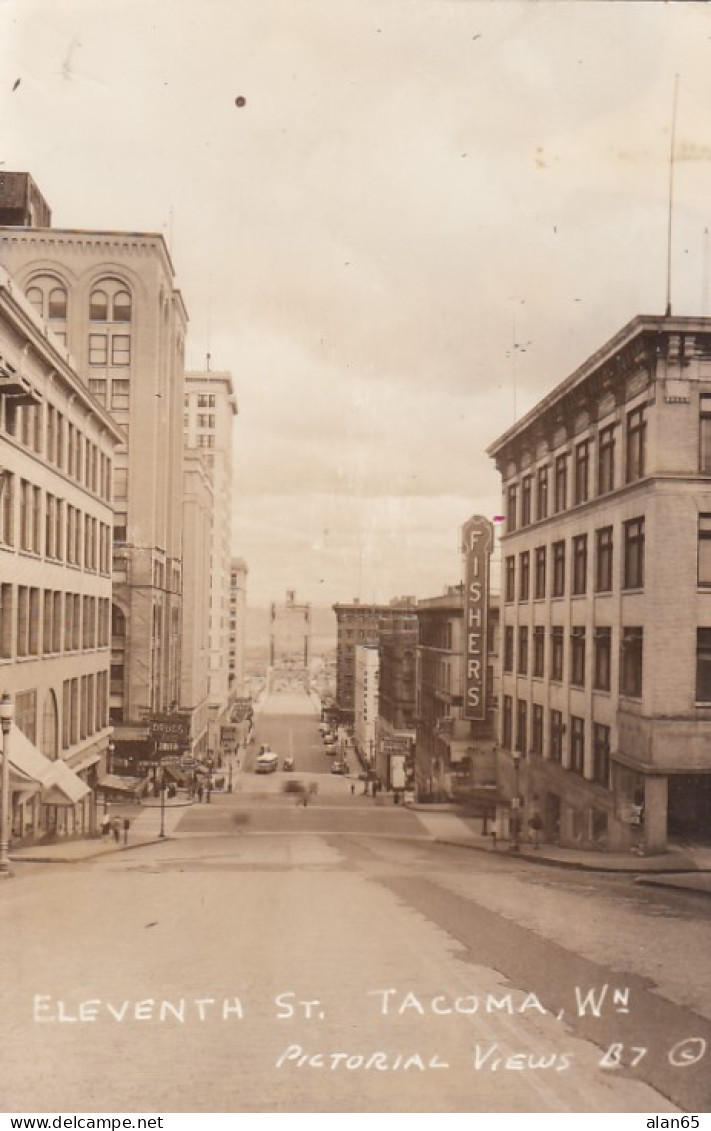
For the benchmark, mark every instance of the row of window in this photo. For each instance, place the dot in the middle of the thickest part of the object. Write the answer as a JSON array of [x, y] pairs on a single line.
[[38, 522], [531, 656], [603, 574], [530, 738], [44, 429], [204, 400], [108, 302], [85, 707], [550, 487], [36, 622]]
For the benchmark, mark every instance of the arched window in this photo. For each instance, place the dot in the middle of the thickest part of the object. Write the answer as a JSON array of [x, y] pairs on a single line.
[[122, 306], [118, 622], [35, 296], [50, 726], [57, 303], [99, 306]]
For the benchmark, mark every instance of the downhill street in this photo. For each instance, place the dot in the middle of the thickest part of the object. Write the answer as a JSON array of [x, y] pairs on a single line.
[[272, 957]]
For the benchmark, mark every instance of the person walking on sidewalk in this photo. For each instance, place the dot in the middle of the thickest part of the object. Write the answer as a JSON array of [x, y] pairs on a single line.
[[116, 829]]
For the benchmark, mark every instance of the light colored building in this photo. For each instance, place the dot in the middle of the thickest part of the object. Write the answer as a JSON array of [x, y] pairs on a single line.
[[209, 411], [290, 632], [238, 624], [397, 705], [110, 297], [365, 725], [198, 517], [606, 651], [455, 756], [56, 451]]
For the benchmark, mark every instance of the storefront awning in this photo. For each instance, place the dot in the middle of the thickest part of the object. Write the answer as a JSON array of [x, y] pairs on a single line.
[[30, 771]]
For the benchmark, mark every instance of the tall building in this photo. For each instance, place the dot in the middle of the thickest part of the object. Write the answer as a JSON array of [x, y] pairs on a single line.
[[209, 410], [110, 298], [238, 624], [397, 703], [290, 632], [198, 518], [56, 452], [606, 656], [455, 756], [361, 624]]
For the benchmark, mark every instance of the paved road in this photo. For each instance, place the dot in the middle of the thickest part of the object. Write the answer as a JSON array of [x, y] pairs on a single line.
[[443, 980]]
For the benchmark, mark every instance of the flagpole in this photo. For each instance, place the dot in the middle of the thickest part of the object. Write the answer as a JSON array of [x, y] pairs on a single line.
[[671, 194]]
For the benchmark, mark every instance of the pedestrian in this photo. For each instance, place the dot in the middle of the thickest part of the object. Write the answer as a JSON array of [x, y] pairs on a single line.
[[105, 825], [536, 824], [352, 788], [199, 792], [116, 829]]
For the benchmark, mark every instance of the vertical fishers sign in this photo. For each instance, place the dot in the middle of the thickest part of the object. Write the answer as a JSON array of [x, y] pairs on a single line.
[[477, 544]]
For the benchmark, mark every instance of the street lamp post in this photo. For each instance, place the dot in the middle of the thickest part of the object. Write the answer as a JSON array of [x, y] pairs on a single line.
[[161, 834], [516, 805], [6, 712]]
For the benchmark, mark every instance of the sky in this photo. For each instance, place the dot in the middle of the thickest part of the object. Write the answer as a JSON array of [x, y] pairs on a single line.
[[421, 216]]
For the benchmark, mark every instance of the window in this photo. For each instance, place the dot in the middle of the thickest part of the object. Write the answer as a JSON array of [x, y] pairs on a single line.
[[603, 560], [577, 745], [580, 564], [539, 651], [120, 394], [704, 566], [511, 509], [98, 349], [537, 729], [555, 738], [557, 653], [122, 306], [6, 620], [206, 400], [577, 656], [582, 471], [508, 648], [99, 306], [510, 579], [7, 505], [634, 554], [521, 725], [703, 665], [507, 722], [636, 442], [57, 304], [602, 659], [526, 494], [524, 576], [705, 434], [606, 460], [631, 662], [601, 755], [558, 569], [120, 349], [540, 572], [206, 420], [542, 493], [523, 650], [561, 482]]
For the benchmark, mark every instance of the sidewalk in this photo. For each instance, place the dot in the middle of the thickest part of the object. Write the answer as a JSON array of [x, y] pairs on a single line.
[[688, 868], [144, 829]]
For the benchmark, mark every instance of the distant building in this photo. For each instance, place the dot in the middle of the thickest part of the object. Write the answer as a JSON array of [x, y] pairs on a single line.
[[606, 655], [109, 297], [237, 625], [56, 452], [361, 624], [290, 632], [455, 756], [198, 519]]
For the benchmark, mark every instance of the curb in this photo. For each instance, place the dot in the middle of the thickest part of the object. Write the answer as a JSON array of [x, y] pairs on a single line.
[[579, 865], [88, 856]]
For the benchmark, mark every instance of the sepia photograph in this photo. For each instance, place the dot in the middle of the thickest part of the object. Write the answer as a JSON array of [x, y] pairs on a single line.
[[355, 560]]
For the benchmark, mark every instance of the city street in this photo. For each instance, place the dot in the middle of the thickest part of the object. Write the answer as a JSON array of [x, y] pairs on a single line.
[[334, 957]]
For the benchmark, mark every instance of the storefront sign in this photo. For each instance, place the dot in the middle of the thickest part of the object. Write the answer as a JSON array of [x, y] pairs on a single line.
[[169, 728], [477, 544]]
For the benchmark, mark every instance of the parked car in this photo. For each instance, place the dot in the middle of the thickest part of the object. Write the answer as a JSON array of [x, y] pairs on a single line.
[[266, 763], [338, 767]]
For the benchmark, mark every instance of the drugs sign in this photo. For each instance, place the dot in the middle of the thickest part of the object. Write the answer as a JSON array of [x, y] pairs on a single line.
[[477, 544]]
